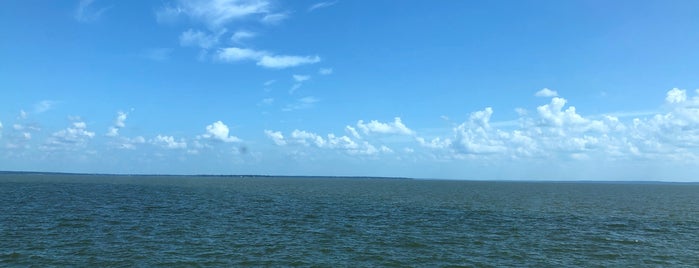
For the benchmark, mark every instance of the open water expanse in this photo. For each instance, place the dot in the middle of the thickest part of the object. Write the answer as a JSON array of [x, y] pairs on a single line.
[[86, 220]]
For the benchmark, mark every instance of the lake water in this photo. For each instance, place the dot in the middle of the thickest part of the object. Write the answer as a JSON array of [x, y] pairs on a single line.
[[86, 220]]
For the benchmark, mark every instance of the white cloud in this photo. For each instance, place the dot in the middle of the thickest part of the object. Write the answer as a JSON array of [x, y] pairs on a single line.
[[239, 54], [120, 120], [300, 104], [294, 88], [283, 61], [676, 95], [545, 92], [169, 142], [267, 101], [395, 127], [301, 78], [331, 142], [119, 123], [112, 132], [269, 82], [264, 58], [276, 136], [197, 38], [240, 36], [86, 12], [220, 132], [74, 137], [352, 131], [554, 115], [131, 143], [274, 18], [299, 81], [216, 13], [476, 137], [325, 71], [43, 106], [321, 5], [22, 114]]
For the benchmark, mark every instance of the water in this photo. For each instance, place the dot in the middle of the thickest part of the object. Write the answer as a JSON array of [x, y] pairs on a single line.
[[84, 220]]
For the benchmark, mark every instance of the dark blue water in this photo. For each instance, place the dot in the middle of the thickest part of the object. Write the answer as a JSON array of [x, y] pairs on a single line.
[[71, 220]]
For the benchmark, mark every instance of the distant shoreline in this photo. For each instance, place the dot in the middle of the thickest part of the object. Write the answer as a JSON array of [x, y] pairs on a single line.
[[196, 175], [346, 177]]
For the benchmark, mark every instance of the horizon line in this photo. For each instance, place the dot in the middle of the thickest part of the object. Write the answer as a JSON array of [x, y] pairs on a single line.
[[22, 172]]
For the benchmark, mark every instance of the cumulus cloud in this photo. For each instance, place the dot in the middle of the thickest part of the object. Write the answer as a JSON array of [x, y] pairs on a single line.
[[321, 5], [352, 131], [219, 131], [676, 95], [475, 136], [119, 122], [330, 142], [276, 136], [74, 137], [395, 127], [547, 93], [169, 142], [559, 131]]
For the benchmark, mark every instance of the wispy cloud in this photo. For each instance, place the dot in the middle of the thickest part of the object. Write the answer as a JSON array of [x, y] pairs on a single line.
[[240, 36], [321, 5], [43, 106], [266, 101], [274, 18], [264, 58], [325, 71], [200, 39], [301, 78], [215, 14], [158, 54], [284, 61], [86, 12], [300, 104], [231, 54]]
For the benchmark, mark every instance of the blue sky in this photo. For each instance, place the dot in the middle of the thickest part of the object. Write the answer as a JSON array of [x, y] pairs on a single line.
[[561, 90]]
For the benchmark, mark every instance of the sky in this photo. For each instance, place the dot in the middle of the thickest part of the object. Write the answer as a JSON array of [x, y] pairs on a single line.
[[531, 90]]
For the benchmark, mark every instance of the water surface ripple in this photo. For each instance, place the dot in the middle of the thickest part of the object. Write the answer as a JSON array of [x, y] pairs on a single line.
[[80, 220]]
